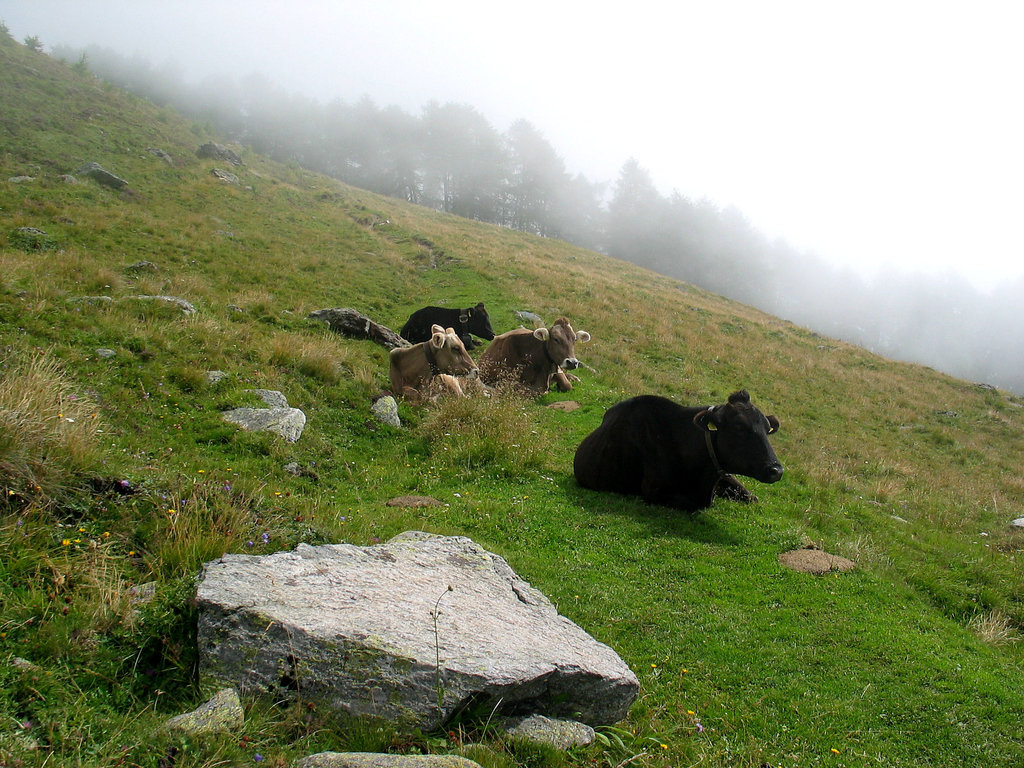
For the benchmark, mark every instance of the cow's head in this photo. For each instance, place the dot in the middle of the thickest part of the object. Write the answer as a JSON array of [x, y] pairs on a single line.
[[741, 441], [450, 354], [560, 343], [477, 321]]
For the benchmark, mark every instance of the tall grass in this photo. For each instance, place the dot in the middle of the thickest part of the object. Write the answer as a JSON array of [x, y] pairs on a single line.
[[496, 435], [49, 431]]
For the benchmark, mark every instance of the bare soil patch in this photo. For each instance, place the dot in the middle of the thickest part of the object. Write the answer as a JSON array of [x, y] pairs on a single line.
[[811, 559], [564, 405]]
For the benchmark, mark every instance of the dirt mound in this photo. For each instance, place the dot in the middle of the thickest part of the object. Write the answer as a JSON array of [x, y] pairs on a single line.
[[564, 405], [810, 559]]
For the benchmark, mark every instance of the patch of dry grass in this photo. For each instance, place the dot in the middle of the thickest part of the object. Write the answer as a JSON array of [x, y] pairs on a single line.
[[994, 627], [48, 430], [470, 434]]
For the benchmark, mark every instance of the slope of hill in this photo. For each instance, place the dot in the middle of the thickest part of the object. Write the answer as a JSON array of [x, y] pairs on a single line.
[[118, 471]]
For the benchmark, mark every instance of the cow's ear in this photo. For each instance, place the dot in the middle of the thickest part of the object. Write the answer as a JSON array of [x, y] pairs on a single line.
[[542, 334], [437, 338], [704, 419], [480, 306], [435, 328], [582, 337], [773, 425]]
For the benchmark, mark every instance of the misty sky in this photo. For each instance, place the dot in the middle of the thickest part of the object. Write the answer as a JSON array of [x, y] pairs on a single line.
[[877, 134]]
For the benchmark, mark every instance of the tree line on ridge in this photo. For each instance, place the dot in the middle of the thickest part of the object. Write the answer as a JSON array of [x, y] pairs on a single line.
[[450, 158]]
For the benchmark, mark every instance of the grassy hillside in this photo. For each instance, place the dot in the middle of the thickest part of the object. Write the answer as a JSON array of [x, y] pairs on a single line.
[[118, 472]]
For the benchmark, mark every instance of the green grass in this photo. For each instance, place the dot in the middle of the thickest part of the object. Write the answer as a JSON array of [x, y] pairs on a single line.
[[912, 659]]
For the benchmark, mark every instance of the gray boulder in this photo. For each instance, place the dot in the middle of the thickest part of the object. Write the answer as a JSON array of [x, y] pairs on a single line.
[[183, 304], [221, 713], [386, 410], [157, 152], [278, 417], [561, 734], [356, 325], [214, 151], [376, 760], [416, 630], [286, 422], [101, 175], [271, 397], [227, 176], [532, 317]]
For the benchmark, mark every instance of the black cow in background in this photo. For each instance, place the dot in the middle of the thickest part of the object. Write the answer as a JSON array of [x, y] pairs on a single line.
[[679, 456], [472, 320]]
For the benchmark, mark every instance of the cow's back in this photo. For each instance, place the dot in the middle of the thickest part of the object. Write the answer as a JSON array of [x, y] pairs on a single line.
[[644, 435], [417, 327]]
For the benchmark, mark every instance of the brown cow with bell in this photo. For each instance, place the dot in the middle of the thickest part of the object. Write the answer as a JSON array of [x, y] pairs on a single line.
[[428, 369], [533, 359]]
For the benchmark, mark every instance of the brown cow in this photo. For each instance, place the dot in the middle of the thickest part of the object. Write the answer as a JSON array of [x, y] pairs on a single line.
[[430, 367], [533, 359]]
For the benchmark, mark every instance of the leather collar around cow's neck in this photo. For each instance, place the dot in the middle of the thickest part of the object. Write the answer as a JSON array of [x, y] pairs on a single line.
[[544, 346], [712, 454], [431, 359]]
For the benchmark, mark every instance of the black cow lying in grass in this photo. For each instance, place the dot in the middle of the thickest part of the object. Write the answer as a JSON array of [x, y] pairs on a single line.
[[469, 322], [677, 456]]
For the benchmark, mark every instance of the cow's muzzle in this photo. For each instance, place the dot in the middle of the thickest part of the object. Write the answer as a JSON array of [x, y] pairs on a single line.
[[570, 364], [772, 473]]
